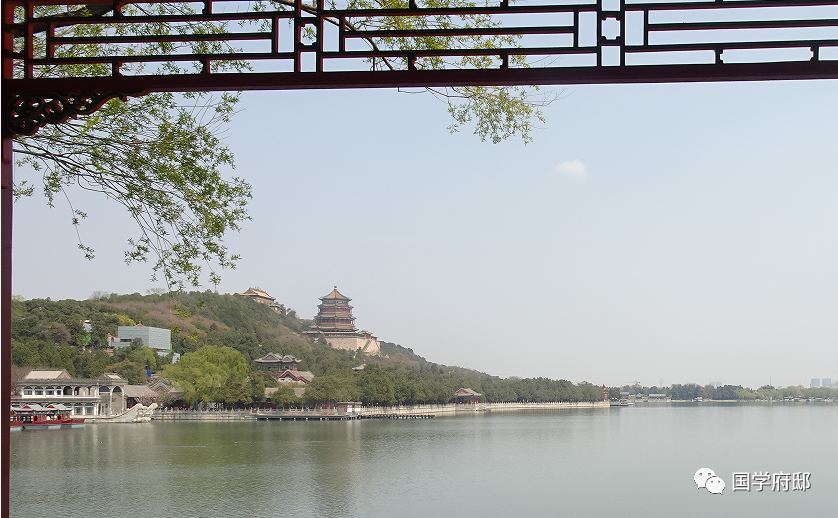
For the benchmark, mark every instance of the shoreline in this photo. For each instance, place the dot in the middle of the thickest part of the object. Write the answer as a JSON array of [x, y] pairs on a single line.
[[485, 407], [432, 410], [447, 409]]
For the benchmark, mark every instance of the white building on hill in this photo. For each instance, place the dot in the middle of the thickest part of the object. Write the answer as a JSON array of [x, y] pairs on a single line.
[[155, 337]]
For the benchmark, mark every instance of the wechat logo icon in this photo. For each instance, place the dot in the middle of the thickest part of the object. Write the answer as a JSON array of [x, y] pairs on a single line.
[[706, 478]]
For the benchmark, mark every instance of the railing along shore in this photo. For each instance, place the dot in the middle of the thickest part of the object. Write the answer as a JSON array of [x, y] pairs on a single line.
[[494, 407], [203, 415], [433, 409]]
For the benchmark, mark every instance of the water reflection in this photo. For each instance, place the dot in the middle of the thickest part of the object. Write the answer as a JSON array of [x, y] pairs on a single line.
[[624, 462]]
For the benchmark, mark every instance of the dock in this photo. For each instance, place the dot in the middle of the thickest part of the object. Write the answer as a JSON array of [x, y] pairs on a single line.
[[197, 415], [304, 416], [396, 416], [334, 416]]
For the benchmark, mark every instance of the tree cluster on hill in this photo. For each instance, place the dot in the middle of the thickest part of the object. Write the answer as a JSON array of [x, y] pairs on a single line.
[[207, 326], [50, 334]]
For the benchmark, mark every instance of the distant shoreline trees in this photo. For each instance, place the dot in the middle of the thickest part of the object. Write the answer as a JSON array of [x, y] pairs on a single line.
[[236, 330], [689, 391]]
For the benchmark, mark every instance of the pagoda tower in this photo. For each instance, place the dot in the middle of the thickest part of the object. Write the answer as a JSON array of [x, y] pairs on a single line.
[[334, 323], [334, 314]]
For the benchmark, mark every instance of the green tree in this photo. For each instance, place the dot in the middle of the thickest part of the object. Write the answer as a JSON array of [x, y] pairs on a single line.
[[24, 355], [729, 392], [162, 163], [144, 356], [91, 364], [376, 386], [332, 388], [686, 392], [745, 393], [159, 155], [285, 396], [103, 324], [133, 372], [140, 354], [793, 391], [215, 374]]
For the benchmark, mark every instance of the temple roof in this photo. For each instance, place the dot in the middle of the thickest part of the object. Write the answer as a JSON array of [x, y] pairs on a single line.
[[47, 374], [274, 357], [335, 294], [289, 376], [256, 292], [136, 391], [159, 383], [61, 377]]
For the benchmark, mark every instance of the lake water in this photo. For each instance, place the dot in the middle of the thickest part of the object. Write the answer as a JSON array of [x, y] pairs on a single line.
[[618, 462]]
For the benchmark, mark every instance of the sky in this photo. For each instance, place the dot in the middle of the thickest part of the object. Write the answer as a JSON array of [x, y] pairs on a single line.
[[683, 233]]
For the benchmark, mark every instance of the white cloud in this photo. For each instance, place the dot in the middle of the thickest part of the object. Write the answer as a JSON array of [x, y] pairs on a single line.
[[572, 168]]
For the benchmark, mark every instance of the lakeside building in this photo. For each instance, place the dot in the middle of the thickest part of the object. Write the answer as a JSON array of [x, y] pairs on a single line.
[[289, 377], [157, 338], [466, 396], [104, 395], [141, 394], [273, 362], [335, 324], [285, 368], [163, 387], [263, 298]]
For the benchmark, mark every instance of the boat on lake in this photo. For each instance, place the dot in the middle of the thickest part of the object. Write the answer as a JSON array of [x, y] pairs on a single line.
[[33, 416]]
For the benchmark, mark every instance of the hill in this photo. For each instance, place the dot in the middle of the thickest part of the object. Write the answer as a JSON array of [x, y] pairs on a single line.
[[49, 333]]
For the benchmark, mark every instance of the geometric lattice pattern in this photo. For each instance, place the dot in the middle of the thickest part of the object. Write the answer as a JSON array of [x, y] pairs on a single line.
[[81, 52]]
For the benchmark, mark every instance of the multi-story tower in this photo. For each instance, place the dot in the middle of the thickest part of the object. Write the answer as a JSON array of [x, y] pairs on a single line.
[[334, 323], [334, 314]]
